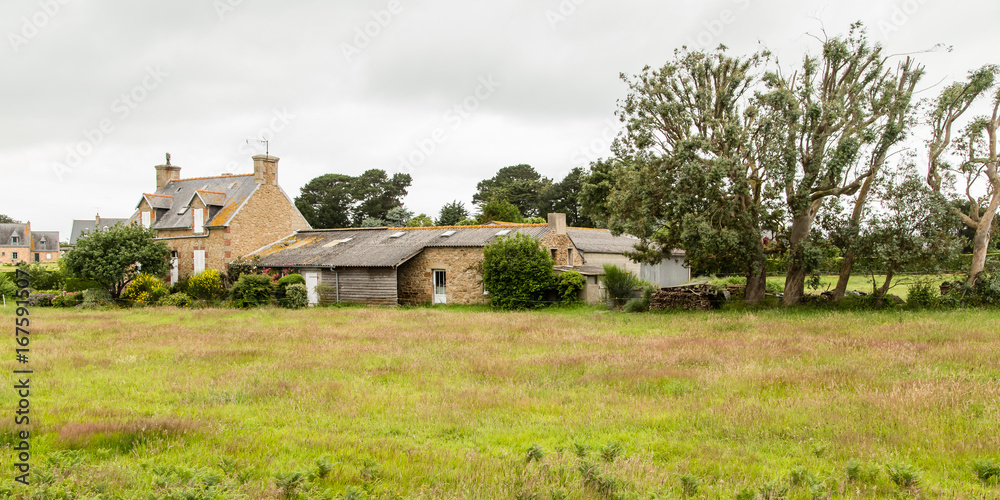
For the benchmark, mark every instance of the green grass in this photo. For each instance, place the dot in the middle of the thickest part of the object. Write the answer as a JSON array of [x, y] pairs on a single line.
[[466, 403], [860, 283]]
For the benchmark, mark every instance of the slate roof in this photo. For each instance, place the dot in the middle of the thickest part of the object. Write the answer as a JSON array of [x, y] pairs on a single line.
[[223, 194], [376, 247], [9, 230], [87, 226], [45, 241]]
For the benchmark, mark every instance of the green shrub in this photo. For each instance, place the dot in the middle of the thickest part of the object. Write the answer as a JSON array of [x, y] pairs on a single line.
[[296, 296], [517, 272], [180, 286], [284, 281], [179, 299], [252, 290], [986, 469], [97, 297], [145, 289], [569, 285], [43, 278], [41, 299], [68, 299], [206, 285], [619, 284], [7, 288], [79, 284], [923, 295]]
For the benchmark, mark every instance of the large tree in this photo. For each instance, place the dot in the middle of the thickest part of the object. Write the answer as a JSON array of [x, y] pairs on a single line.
[[564, 197], [825, 114], [338, 200], [520, 185], [115, 257], [973, 156], [692, 167], [452, 213], [891, 130], [7, 220]]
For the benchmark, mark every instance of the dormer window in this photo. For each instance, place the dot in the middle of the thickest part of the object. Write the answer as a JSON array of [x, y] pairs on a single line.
[[14, 240], [146, 221]]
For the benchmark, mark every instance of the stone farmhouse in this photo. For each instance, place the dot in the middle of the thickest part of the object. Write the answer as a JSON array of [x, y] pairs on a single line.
[[423, 265], [18, 243], [207, 222]]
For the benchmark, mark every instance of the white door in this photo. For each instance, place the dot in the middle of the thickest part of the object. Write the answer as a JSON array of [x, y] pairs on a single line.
[[199, 261], [440, 287], [312, 280], [173, 269]]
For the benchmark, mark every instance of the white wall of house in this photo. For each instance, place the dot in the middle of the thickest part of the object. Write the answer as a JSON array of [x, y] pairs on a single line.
[[669, 272], [617, 259]]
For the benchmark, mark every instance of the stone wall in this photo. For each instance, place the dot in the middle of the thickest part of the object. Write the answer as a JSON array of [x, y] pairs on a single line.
[[7, 255], [463, 267], [215, 242], [562, 246], [268, 216]]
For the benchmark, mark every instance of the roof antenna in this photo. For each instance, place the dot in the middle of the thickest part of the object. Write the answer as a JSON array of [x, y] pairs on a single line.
[[261, 141]]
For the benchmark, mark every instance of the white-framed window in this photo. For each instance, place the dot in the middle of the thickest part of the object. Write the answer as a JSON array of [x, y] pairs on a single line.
[[14, 240], [146, 222], [199, 221], [199, 261], [48, 256]]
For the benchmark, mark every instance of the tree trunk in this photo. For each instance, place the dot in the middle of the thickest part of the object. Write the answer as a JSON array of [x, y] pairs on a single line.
[[845, 274], [880, 294], [756, 282], [795, 278], [981, 241]]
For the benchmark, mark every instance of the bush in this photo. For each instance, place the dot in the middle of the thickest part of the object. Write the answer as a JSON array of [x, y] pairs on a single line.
[[145, 289], [41, 299], [97, 297], [296, 296], [569, 285], [517, 272], [181, 286], [68, 299], [7, 288], [619, 284], [43, 278], [179, 299], [206, 285], [252, 290], [284, 281], [923, 295], [641, 304]]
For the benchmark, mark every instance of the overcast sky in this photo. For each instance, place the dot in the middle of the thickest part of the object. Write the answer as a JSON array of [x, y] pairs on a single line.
[[95, 92]]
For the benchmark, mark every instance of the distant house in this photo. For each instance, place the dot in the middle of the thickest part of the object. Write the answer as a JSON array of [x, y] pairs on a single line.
[[209, 221], [82, 228], [18, 243], [422, 265]]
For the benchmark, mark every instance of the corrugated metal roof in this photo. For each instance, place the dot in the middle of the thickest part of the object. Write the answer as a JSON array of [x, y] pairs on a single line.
[[376, 247]]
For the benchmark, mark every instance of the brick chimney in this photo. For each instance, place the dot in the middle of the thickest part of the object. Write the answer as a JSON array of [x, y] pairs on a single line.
[[557, 223], [265, 170], [166, 173]]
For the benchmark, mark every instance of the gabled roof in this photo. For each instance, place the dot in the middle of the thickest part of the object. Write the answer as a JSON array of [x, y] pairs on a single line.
[[86, 227], [225, 192], [379, 247], [7, 231], [45, 241], [602, 241]]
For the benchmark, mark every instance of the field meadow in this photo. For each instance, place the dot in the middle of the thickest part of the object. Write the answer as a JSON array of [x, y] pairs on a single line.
[[453, 402]]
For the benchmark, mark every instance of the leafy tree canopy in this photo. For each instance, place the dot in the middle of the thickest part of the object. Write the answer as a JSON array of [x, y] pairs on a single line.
[[452, 213], [338, 200], [519, 185], [7, 220], [117, 256], [517, 272], [422, 220], [499, 210]]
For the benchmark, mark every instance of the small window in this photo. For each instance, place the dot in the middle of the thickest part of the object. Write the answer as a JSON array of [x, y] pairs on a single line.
[[554, 252], [448, 233], [569, 256], [232, 185], [398, 235], [13, 255], [48, 256], [14, 240], [37, 257], [182, 210], [505, 232]]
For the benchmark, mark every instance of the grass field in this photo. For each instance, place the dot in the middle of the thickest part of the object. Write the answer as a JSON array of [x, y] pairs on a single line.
[[465, 403]]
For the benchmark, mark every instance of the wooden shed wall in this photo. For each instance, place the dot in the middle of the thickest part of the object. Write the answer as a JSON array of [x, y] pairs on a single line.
[[366, 285]]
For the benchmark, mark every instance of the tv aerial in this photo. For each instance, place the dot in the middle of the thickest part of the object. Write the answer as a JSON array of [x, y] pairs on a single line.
[[261, 141]]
